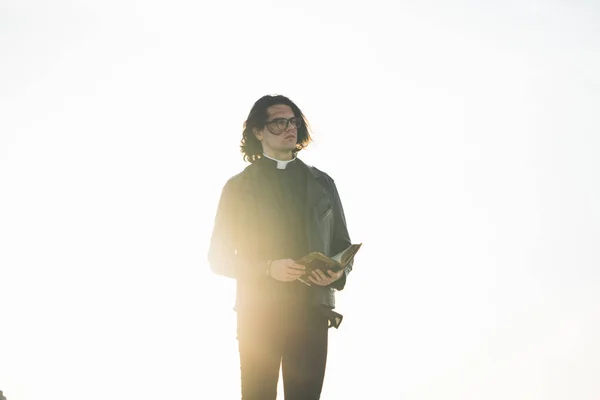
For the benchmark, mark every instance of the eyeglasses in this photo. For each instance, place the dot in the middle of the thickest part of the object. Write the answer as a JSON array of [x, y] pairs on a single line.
[[279, 125]]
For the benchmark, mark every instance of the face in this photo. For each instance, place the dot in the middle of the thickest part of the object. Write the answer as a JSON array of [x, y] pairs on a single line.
[[278, 143]]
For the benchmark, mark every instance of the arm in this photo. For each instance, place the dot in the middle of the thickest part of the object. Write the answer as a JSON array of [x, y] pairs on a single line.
[[228, 231], [341, 237]]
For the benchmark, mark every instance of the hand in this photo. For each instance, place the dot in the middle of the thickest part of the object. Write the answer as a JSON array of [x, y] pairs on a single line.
[[318, 277], [286, 270]]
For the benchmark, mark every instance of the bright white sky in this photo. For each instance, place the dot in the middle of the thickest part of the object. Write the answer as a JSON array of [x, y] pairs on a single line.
[[463, 140]]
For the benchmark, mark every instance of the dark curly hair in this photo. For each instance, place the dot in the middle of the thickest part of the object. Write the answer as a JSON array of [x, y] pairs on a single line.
[[251, 146]]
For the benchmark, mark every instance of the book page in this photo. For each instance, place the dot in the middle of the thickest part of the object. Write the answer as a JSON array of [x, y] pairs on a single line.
[[316, 260], [349, 254], [344, 257], [338, 257]]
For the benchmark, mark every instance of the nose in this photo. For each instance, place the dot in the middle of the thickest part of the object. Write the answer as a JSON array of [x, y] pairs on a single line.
[[289, 126]]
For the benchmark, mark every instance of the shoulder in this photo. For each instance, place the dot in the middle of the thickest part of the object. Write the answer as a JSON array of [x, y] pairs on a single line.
[[233, 186], [318, 173], [241, 176]]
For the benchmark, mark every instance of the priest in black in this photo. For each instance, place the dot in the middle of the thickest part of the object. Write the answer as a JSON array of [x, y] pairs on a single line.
[[273, 212]]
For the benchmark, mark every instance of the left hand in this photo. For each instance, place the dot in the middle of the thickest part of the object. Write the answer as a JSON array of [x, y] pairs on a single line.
[[318, 277]]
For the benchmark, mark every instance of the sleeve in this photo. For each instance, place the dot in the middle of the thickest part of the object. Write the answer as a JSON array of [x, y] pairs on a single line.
[[224, 256], [341, 237]]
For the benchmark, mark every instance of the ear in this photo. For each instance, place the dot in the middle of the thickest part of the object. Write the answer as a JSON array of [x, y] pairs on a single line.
[[257, 134]]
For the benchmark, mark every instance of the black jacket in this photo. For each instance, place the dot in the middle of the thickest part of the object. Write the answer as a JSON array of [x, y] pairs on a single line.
[[236, 250]]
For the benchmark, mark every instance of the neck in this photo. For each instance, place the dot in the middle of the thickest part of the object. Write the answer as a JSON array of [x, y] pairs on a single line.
[[280, 156], [281, 164]]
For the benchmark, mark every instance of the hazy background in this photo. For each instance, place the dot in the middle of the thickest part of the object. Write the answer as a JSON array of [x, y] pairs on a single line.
[[463, 137]]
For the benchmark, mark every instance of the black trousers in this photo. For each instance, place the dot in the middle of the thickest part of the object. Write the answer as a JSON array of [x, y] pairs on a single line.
[[294, 339]]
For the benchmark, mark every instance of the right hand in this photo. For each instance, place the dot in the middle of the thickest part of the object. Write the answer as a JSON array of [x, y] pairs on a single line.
[[286, 270]]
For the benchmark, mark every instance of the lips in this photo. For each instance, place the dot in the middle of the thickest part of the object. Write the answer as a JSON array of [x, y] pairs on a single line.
[[290, 136]]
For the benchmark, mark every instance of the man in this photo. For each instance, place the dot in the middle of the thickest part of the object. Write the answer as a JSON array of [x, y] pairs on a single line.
[[272, 213]]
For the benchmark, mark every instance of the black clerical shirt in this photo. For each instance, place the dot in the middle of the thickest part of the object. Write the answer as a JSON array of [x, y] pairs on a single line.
[[287, 236]]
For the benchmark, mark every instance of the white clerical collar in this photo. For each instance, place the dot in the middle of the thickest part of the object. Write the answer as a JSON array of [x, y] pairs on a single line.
[[280, 164]]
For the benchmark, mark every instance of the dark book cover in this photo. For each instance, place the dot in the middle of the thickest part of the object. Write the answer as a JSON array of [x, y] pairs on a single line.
[[336, 263]]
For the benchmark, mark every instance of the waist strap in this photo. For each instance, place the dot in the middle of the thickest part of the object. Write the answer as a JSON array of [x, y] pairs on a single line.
[[334, 318]]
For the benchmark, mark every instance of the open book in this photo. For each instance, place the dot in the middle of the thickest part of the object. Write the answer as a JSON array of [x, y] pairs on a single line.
[[316, 260]]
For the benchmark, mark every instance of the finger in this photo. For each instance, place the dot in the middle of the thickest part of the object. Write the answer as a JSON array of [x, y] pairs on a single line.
[[316, 281], [332, 274], [297, 266], [293, 277], [320, 278], [324, 280], [295, 272], [321, 274]]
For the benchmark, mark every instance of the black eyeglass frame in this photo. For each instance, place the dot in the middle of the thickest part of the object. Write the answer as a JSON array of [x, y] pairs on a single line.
[[275, 122]]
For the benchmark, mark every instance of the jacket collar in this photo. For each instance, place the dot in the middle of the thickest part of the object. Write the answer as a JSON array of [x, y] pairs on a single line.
[[315, 191]]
